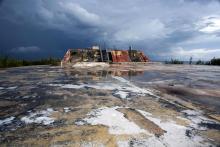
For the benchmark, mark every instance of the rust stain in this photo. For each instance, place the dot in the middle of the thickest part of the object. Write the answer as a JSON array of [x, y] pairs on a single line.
[[120, 56]]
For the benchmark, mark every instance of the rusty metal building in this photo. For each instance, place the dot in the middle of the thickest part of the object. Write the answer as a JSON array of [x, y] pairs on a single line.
[[95, 54]]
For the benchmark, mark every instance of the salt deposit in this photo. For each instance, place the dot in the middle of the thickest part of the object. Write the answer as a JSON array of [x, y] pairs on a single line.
[[128, 86], [12, 88], [7, 120], [175, 136], [40, 117], [197, 118], [71, 86], [8, 88], [114, 119], [66, 109], [122, 88]]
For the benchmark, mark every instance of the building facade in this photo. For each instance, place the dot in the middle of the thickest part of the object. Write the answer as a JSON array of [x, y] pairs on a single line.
[[95, 54]]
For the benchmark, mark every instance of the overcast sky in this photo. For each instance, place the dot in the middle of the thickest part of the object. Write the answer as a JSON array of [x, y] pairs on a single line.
[[161, 28]]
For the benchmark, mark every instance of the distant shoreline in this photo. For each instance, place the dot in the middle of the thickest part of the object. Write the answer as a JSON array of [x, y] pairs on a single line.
[[6, 62]]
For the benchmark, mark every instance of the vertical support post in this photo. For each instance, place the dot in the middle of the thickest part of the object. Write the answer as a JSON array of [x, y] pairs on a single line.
[[101, 53], [107, 54], [82, 58]]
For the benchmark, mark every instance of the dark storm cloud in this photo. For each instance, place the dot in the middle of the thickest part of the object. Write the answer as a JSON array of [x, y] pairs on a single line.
[[1, 1], [159, 27], [202, 1]]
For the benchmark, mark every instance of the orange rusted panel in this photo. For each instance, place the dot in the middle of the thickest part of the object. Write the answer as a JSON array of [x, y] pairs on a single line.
[[120, 56], [143, 58], [67, 56]]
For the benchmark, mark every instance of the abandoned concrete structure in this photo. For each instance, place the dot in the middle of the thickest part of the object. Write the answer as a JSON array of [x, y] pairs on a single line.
[[96, 54]]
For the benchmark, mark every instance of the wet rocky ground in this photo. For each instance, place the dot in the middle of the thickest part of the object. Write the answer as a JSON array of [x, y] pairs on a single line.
[[122, 105]]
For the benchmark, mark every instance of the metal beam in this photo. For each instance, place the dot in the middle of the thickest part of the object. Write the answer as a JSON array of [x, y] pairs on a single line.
[[101, 53]]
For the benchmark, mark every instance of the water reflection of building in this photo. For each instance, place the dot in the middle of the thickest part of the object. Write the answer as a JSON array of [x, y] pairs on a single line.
[[96, 54], [102, 73]]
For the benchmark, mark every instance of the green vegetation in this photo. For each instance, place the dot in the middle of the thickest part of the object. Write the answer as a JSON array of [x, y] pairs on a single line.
[[6, 62], [214, 61], [200, 62], [174, 61]]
